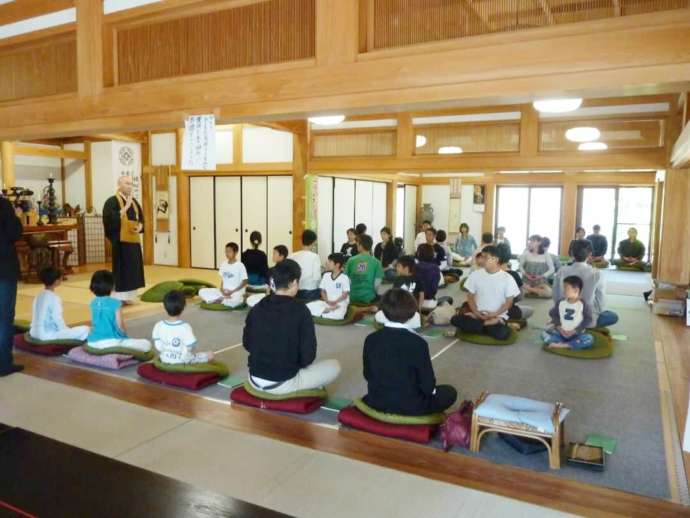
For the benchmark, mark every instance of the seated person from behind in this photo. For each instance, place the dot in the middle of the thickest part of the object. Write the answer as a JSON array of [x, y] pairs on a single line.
[[365, 272], [387, 253], [465, 246], [491, 292], [536, 266], [397, 366], [280, 339], [173, 338], [408, 281], [255, 261], [233, 282], [107, 325], [570, 317], [335, 291], [516, 311], [600, 246], [429, 273], [579, 234], [447, 263], [310, 265], [47, 322], [631, 251]]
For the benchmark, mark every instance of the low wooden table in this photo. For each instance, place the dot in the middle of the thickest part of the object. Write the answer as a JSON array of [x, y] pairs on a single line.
[[60, 250]]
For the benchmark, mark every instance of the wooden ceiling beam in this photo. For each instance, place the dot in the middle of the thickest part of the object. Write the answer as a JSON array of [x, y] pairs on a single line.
[[49, 152], [24, 9]]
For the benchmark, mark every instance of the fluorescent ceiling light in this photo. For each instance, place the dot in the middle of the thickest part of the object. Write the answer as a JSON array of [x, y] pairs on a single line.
[[453, 175], [449, 150], [557, 105], [420, 141], [545, 171], [582, 134], [410, 174], [618, 171], [327, 120], [592, 146]]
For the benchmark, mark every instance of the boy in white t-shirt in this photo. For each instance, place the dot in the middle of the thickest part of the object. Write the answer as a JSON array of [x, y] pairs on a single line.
[[335, 291], [310, 264], [571, 317], [233, 282], [173, 338], [420, 239], [490, 295]]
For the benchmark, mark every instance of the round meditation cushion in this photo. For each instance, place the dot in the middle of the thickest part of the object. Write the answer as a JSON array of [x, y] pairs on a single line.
[[138, 355], [600, 264], [625, 268], [21, 325], [486, 339], [385, 417], [216, 367], [198, 283], [352, 315], [320, 393], [190, 291], [157, 292], [214, 306], [365, 304], [36, 341], [602, 348], [257, 289]]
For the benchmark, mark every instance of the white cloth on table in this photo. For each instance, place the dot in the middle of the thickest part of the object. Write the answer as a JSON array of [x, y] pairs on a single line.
[[211, 295], [315, 376], [47, 322]]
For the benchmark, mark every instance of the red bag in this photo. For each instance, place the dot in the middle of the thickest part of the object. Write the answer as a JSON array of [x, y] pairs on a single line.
[[457, 428]]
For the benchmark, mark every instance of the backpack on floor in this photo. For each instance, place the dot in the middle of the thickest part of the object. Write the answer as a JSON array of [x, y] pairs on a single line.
[[457, 428]]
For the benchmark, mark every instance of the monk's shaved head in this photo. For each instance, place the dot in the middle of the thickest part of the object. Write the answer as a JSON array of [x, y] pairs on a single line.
[[124, 185]]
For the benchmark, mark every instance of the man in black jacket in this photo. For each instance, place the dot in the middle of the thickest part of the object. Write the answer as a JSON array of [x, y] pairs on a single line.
[[10, 231], [280, 338]]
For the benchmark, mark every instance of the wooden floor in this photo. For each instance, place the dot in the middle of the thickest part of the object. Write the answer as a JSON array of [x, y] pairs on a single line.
[[672, 340]]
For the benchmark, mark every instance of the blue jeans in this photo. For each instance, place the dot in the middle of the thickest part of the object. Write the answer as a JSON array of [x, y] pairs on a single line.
[[8, 300], [255, 279], [607, 318], [576, 342]]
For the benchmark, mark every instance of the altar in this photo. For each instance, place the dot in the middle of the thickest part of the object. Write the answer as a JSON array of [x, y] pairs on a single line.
[[43, 245]]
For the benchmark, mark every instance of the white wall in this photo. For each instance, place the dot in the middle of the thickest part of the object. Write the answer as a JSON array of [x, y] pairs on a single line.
[[439, 198], [75, 188], [32, 172], [102, 174], [163, 149], [265, 145], [468, 214]]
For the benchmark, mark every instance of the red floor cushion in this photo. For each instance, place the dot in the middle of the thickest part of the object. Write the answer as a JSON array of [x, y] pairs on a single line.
[[353, 418], [43, 349], [298, 405], [188, 380]]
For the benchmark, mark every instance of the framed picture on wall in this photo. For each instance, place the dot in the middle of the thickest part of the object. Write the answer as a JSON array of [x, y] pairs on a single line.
[[478, 201]]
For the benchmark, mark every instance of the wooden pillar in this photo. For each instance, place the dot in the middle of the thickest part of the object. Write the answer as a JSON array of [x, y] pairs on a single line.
[[88, 177], [300, 168], [337, 31], [656, 226], [391, 204], [406, 137], [62, 177], [529, 131], [237, 157], [489, 202], [147, 201], [8, 178], [89, 47], [184, 246], [674, 245], [569, 221]]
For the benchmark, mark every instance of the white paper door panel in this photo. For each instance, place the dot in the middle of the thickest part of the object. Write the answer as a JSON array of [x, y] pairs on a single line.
[[253, 209], [343, 210], [201, 219], [324, 219], [279, 214], [228, 214]]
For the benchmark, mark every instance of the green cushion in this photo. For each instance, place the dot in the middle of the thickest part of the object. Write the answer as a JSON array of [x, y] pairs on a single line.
[[219, 368], [384, 417], [159, 291], [351, 316], [256, 289], [601, 330], [364, 304], [190, 291], [36, 341], [320, 393], [138, 355], [485, 339], [197, 283], [602, 348], [21, 325], [214, 306]]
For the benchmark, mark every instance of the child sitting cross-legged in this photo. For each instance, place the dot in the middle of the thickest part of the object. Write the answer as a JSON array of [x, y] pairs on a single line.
[[107, 326], [173, 338], [233, 282], [571, 316], [407, 280], [335, 291], [280, 338], [491, 292], [47, 322], [397, 365]]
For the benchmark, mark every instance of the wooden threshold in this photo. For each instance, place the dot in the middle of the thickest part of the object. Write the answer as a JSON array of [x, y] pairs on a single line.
[[529, 486]]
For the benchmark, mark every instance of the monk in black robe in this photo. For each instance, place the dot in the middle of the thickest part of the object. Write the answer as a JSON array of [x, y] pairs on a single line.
[[123, 222]]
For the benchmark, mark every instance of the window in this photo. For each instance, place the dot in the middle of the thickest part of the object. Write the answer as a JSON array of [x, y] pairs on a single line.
[[525, 211]]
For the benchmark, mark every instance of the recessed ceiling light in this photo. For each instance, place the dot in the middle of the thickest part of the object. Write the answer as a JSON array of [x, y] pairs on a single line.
[[449, 150], [420, 141], [557, 105], [582, 134], [592, 146], [327, 120]]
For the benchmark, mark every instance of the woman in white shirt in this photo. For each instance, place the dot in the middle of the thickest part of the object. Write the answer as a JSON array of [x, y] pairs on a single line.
[[536, 267]]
